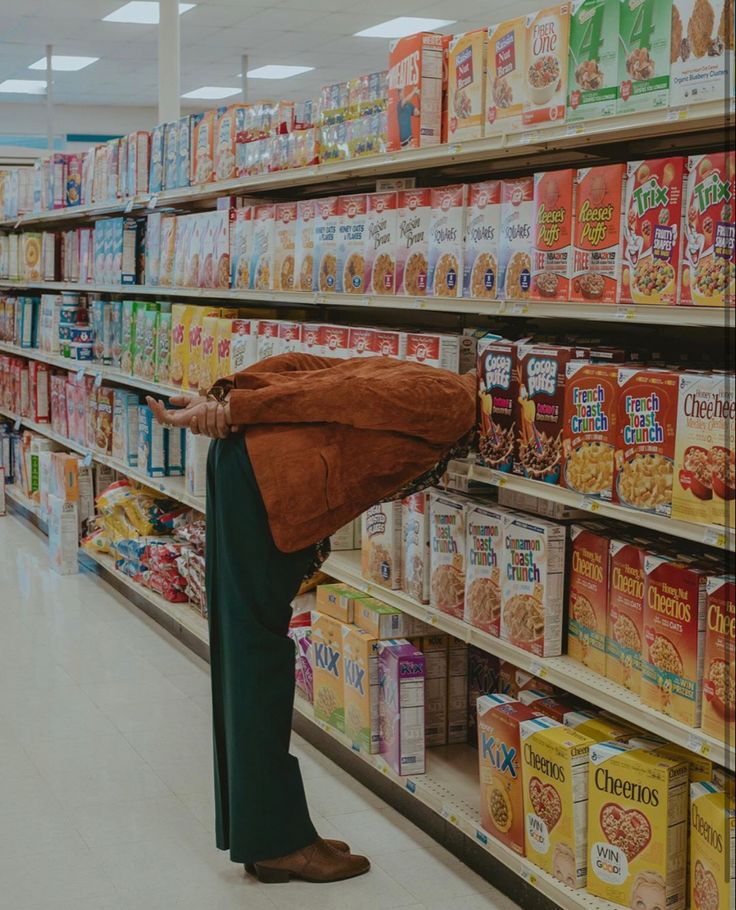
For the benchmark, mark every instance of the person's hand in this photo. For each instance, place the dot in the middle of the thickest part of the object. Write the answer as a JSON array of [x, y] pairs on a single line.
[[199, 415]]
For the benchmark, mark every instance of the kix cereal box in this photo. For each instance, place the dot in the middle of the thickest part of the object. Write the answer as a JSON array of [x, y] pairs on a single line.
[[329, 696], [482, 233], [415, 531], [412, 254], [447, 517], [592, 75], [466, 85], [637, 827], [588, 596], [380, 243], [193, 372], [485, 557], [381, 544], [506, 67], [401, 706], [446, 240], [415, 91], [338, 601], [515, 248], [625, 628], [712, 848], [547, 35], [552, 253], [500, 763], [645, 30], [701, 52], [709, 269], [555, 778], [360, 682], [652, 231], [719, 686], [351, 243]]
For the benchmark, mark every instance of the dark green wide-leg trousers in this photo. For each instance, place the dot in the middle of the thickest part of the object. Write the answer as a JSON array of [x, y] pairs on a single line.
[[261, 808]]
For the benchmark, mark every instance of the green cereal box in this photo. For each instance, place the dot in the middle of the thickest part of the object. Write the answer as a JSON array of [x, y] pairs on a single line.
[[592, 82], [645, 34]]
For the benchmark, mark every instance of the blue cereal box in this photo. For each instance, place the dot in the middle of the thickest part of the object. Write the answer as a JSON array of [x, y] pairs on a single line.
[[151, 444]]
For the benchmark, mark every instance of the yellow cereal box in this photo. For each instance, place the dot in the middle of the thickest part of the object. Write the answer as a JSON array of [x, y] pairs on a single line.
[[329, 695], [337, 601], [699, 767], [208, 369], [719, 685], [193, 370], [598, 728], [637, 827], [555, 777], [181, 316], [466, 85], [712, 848], [360, 665], [506, 75], [625, 623]]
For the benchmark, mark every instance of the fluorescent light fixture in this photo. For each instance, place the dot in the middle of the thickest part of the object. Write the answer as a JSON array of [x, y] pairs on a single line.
[[142, 12], [276, 71], [24, 86], [403, 26], [212, 92], [62, 63]]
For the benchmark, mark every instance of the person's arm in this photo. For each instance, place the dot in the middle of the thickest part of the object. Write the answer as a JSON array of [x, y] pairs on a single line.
[[279, 363]]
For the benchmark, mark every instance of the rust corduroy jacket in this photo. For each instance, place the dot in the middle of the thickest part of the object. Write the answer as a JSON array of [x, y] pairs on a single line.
[[328, 438]]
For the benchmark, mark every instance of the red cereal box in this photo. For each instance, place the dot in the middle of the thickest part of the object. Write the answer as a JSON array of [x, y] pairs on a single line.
[[553, 234], [597, 255], [588, 596], [412, 254], [719, 685], [362, 342], [652, 231], [389, 344], [336, 341], [415, 91], [434, 350], [547, 36], [625, 626], [381, 242]]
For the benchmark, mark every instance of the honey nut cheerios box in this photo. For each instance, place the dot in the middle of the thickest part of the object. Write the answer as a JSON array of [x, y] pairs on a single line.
[[485, 556], [412, 247], [500, 765], [517, 239], [588, 596], [415, 556], [285, 220], [415, 91], [327, 656], [360, 682], [351, 243], [592, 76], [325, 245], [652, 229], [381, 544], [446, 240], [674, 638], [506, 91], [555, 777], [645, 32], [712, 848], [482, 233], [637, 827], [701, 51], [552, 254], [447, 517], [625, 625], [547, 37], [306, 211], [719, 685], [466, 85], [401, 706], [381, 240]]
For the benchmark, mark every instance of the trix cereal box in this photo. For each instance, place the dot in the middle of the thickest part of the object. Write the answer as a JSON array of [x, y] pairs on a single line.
[[351, 236], [652, 231], [466, 86], [597, 255], [702, 51], [709, 273], [485, 557], [625, 629], [446, 239], [589, 431], [415, 91], [712, 844], [645, 29], [547, 34], [719, 685], [380, 243], [498, 391], [507, 81], [412, 253], [515, 248], [447, 518], [482, 230], [401, 705], [588, 600], [592, 75], [329, 696], [553, 235]]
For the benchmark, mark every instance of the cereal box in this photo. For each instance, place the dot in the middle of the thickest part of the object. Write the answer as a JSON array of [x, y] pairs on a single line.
[[592, 75], [351, 243], [555, 778], [360, 670], [203, 165], [498, 391], [645, 448], [224, 142], [485, 557], [482, 230], [532, 585], [457, 691], [237, 345], [329, 695], [241, 242], [482, 680], [645, 29], [381, 544], [552, 254], [379, 619], [151, 445], [701, 52], [284, 238], [304, 245], [448, 516], [221, 251], [338, 601], [183, 150], [325, 245], [507, 80], [335, 341], [401, 705], [674, 632], [167, 250], [588, 597], [193, 374], [466, 85], [719, 686], [181, 316], [156, 169], [712, 848], [433, 350], [637, 827], [163, 348], [625, 628], [597, 254], [208, 366], [171, 139], [380, 243], [500, 763], [709, 269], [446, 239], [547, 34], [412, 255], [415, 91], [652, 231], [263, 248], [415, 556], [435, 651], [517, 240]]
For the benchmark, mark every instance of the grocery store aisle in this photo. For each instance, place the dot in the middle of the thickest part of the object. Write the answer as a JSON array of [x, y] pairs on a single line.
[[106, 778]]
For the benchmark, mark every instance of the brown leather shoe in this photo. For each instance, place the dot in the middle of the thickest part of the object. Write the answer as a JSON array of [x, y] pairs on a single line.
[[317, 863], [338, 845]]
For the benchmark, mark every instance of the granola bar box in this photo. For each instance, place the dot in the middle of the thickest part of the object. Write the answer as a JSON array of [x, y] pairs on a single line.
[[498, 390], [712, 847], [381, 544], [625, 626], [415, 91], [380, 243], [645, 433], [466, 85], [596, 268], [709, 267], [517, 240], [645, 30], [500, 765], [674, 636], [592, 75], [637, 827], [351, 237], [415, 532], [588, 596], [446, 240], [719, 686], [329, 694], [447, 520], [652, 231], [547, 36], [552, 253], [532, 584], [401, 706], [506, 92], [485, 557], [482, 232], [412, 247], [702, 51]]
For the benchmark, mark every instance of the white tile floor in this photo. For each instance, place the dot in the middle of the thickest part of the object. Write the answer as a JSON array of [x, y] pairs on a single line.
[[105, 771]]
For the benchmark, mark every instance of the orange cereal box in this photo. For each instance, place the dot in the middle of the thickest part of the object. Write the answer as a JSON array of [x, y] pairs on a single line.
[[652, 231], [412, 254], [466, 85], [516, 242], [203, 147], [597, 255], [446, 240], [285, 236], [482, 232], [588, 596], [709, 272], [719, 686], [625, 626], [553, 234], [415, 91], [506, 92], [547, 36], [674, 632], [381, 240]]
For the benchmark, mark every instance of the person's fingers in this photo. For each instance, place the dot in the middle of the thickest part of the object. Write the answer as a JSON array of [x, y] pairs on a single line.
[[159, 410], [185, 401], [211, 408], [221, 422]]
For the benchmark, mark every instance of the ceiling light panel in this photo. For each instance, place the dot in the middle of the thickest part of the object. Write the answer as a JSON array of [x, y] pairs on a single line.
[[276, 71], [24, 86], [211, 92], [142, 12], [403, 26], [61, 63]]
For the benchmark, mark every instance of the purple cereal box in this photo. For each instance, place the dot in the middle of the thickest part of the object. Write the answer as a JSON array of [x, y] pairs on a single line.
[[401, 705]]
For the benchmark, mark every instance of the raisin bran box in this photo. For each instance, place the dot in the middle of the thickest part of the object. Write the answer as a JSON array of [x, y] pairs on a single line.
[[498, 390], [645, 29], [588, 596], [552, 253], [446, 240], [482, 231], [466, 86], [592, 76], [415, 91], [719, 686], [547, 35], [515, 247], [625, 626], [412, 252], [507, 82], [701, 52], [380, 243]]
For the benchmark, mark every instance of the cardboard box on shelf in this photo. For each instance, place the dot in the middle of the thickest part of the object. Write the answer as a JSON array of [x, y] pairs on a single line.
[[482, 235], [592, 75], [507, 78], [329, 692], [325, 245], [588, 596], [351, 243], [361, 689], [485, 556], [304, 245], [645, 32], [338, 601], [202, 149], [412, 255], [712, 836], [448, 521], [415, 556], [435, 651], [381, 243], [63, 526], [285, 222], [517, 216], [547, 36], [719, 686], [415, 91], [401, 706], [552, 254], [466, 85], [701, 51], [434, 350], [625, 628], [381, 544], [498, 389]]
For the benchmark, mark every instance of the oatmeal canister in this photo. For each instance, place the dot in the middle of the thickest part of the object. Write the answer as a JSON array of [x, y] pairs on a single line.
[[592, 76], [589, 431], [553, 235], [625, 629], [719, 686], [712, 847], [506, 91], [588, 597]]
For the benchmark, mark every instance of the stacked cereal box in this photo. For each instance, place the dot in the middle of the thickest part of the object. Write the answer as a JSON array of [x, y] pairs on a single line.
[[351, 237], [380, 243], [547, 34], [589, 580], [401, 705], [482, 229], [506, 75], [262, 248], [448, 513], [360, 672], [712, 847], [446, 240], [284, 236], [553, 235], [645, 30], [515, 248], [325, 245], [702, 50], [466, 86], [592, 76], [415, 91], [719, 686], [498, 391], [412, 254], [329, 696], [381, 544], [304, 245], [415, 558], [485, 556], [625, 630]]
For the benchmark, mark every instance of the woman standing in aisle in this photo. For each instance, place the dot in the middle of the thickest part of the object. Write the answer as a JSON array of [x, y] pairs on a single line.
[[303, 445]]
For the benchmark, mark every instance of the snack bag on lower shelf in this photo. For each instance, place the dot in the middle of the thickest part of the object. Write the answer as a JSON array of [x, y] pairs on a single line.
[[588, 596], [719, 685], [712, 845]]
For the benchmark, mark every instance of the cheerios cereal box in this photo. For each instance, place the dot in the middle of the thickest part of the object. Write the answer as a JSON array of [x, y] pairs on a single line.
[[712, 848], [588, 596], [306, 211], [326, 240], [381, 243], [516, 242], [597, 726], [203, 164], [701, 52], [532, 586], [466, 85], [485, 557], [415, 91], [448, 518], [446, 240], [381, 544], [415, 532], [507, 82], [482, 235], [719, 686], [709, 270], [592, 75], [329, 671], [412, 253], [360, 683], [674, 638], [555, 783], [645, 32], [553, 234], [652, 231], [547, 36], [637, 827], [351, 243], [401, 706], [500, 765], [625, 625]]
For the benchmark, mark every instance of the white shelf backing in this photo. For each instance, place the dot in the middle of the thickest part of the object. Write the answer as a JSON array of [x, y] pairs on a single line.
[[564, 672]]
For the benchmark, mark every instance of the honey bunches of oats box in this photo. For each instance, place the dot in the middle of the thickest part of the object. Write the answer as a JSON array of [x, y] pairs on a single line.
[[329, 695]]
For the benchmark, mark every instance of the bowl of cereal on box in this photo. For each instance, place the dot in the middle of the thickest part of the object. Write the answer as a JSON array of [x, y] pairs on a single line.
[[543, 78], [645, 481], [723, 472], [697, 472], [718, 688]]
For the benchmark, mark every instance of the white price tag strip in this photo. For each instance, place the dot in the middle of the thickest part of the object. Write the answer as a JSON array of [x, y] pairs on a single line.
[[625, 312], [677, 115], [80, 374], [575, 129], [129, 205], [420, 303], [16, 425], [590, 505], [528, 875], [449, 813], [153, 201], [87, 460], [98, 380], [697, 744], [527, 138], [713, 537], [520, 309]]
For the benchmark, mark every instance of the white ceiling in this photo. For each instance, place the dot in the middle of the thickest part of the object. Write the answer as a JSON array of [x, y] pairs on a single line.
[[214, 34]]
